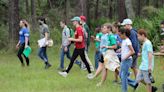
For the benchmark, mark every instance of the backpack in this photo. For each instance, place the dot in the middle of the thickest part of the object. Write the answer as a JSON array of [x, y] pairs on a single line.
[[71, 32]]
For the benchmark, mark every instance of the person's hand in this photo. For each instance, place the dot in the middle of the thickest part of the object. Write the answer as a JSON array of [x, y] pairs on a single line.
[[150, 69], [17, 46], [104, 46], [65, 49], [70, 39], [26, 46]]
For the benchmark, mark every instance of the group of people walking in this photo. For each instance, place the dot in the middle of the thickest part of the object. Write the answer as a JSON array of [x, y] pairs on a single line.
[[117, 49]]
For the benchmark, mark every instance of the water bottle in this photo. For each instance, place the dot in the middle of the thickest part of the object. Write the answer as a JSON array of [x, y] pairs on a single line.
[[151, 78]]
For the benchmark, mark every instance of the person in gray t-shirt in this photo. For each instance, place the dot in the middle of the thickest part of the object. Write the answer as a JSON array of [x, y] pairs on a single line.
[[44, 33], [65, 44]]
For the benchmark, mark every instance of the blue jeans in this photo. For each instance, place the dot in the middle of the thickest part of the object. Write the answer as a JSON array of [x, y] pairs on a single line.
[[124, 73], [62, 54], [42, 54], [97, 58]]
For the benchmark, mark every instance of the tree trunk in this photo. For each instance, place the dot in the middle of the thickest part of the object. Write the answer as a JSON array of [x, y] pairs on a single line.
[[65, 10], [96, 9], [27, 7], [139, 7], [88, 12], [121, 10], [38, 1], [129, 9], [83, 7], [49, 4], [33, 15], [110, 11], [13, 22]]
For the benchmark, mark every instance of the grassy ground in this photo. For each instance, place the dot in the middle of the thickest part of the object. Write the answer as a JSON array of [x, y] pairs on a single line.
[[14, 78]]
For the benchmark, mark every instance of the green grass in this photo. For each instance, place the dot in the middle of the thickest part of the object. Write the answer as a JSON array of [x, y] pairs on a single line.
[[14, 78]]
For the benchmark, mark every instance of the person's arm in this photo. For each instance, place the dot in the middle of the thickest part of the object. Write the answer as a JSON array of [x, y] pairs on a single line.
[[79, 39], [26, 42], [130, 53], [17, 46], [150, 56], [111, 47]]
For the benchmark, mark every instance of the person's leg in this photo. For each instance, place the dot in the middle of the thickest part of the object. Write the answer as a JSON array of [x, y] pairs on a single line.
[[45, 54], [47, 65], [134, 65], [149, 88], [89, 61], [99, 69], [116, 74], [40, 53], [96, 59], [104, 75], [27, 60], [62, 58], [82, 56], [74, 56], [68, 53], [19, 54], [125, 65]]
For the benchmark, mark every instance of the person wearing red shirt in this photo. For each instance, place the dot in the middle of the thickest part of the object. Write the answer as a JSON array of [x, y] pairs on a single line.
[[79, 47]]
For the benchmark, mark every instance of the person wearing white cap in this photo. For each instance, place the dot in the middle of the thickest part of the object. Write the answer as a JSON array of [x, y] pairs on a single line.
[[127, 23], [79, 47]]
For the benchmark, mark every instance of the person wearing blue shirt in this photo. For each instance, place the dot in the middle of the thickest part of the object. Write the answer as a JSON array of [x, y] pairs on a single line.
[[127, 23], [23, 41]]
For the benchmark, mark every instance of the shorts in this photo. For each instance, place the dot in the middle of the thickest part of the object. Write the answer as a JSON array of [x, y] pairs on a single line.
[[134, 63], [143, 75]]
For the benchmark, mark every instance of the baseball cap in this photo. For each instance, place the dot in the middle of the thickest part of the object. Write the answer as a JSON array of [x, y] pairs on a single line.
[[75, 18], [83, 18], [126, 22]]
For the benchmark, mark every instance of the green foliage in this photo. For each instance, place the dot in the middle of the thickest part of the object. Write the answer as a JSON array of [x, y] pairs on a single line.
[[151, 24], [3, 36], [149, 12]]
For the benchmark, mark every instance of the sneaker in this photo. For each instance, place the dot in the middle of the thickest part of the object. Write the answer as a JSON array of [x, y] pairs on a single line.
[[135, 87], [47, 66], [83, 67], [90, 76], [99, 84], [154, 89], [64, 74]]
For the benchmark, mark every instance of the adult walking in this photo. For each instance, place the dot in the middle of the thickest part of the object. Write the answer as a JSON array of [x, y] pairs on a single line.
[[23, 41]]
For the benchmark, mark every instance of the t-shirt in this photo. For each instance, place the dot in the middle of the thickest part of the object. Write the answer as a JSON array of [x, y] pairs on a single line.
[[24, 32], [134, 39], [112, 40], [65, 36], [118, 39], [43, 30], [79, 32], [104, 42], [97, 43], [124, 48], [146, 48]]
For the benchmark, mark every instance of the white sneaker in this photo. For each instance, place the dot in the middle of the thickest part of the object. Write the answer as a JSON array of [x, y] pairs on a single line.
[[64, 74], [92, 68], [90, 76]]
